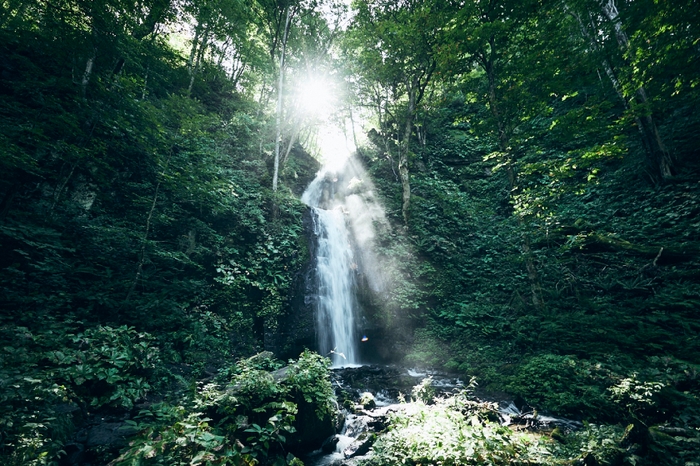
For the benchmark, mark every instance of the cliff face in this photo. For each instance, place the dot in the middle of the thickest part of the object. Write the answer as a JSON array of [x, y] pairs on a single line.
[[296, 329]]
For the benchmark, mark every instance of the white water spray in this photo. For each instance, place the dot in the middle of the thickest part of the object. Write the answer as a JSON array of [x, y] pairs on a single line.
[[336, 307], [346, 216]]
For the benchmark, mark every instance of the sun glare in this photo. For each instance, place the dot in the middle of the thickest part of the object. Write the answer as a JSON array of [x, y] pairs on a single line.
[[316, 97], [334, 146]]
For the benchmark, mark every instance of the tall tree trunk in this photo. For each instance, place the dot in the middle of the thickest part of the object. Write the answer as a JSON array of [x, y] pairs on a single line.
[[487, 61], [292, 139], [661, 162], [280, 96], [85, 80], [200, 57], [144, 91], [156, 14], [147, 230], [404, 151]]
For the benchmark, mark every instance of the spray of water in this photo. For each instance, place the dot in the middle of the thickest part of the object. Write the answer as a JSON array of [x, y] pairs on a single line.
[[345, 215], [336, 314]]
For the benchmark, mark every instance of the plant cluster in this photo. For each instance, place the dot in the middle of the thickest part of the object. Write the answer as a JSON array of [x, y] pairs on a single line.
[[246, 418], [460, 430], [452, 431], [44, 395]]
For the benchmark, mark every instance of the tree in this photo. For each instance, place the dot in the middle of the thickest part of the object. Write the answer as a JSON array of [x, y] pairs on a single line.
[[492, 38], [275, 19], [222, 29], [601, 23], [395, 48]]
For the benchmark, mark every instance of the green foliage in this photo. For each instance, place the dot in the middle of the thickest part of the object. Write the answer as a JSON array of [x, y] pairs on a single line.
[[634, 394], [453, 431], [460, 430], [121, 190], [562, 384], [424, 391], [247, 420], [602, 444], [546, 250], [175, 435], [189, 440], [110, 365], [309, 378], [42, 394]]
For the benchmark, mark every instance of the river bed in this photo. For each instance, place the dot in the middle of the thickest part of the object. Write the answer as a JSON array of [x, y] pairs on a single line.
[[368, 394]]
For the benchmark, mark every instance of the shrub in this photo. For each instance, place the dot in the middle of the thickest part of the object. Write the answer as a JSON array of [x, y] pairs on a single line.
[[564, 385], [452, 432]]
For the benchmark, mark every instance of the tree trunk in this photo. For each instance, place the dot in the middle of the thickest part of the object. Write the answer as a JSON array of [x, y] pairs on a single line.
[[87, 73], [200, 57], [280, 88], [292, 138], [191, 61], [404, 150], [659, 158], [155, 15], [147, 230]]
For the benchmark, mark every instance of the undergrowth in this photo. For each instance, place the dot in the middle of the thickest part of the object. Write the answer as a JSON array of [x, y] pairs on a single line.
[[459, 430]]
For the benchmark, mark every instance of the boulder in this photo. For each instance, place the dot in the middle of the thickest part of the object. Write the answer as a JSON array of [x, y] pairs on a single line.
[[360, 446], [329, 444], [311, 431]]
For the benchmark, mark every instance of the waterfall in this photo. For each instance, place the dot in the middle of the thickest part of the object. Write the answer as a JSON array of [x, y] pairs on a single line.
[[335, 301]]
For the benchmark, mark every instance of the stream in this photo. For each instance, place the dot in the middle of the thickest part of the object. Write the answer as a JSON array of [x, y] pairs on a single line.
[[381, 389]]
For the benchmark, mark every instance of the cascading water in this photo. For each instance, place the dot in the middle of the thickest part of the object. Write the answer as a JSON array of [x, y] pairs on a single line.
[[336, 307]]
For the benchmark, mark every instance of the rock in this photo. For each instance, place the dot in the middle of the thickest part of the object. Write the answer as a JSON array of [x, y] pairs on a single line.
[[280, 374], [590, 460], [329, 444], [558, 435], [260, 358], [356, 461], [106, 433], [339, 420], [74, 454], [310, 430], [295, 329], [66, 408], [355, 425], [367, 401], [349, 405], [360, 446], [634, 433]]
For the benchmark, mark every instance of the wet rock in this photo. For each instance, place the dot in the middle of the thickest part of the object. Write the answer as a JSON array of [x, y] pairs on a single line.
[[66, 408], [355, 425], [360, 446], [367, 401], [281, 374], [590, 460], [339, 420], [511, 414], [558, 435], [74, 453], [329, 444], [106, 433], [310, 430], [387, 381], [260, 358], [295, 329]]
